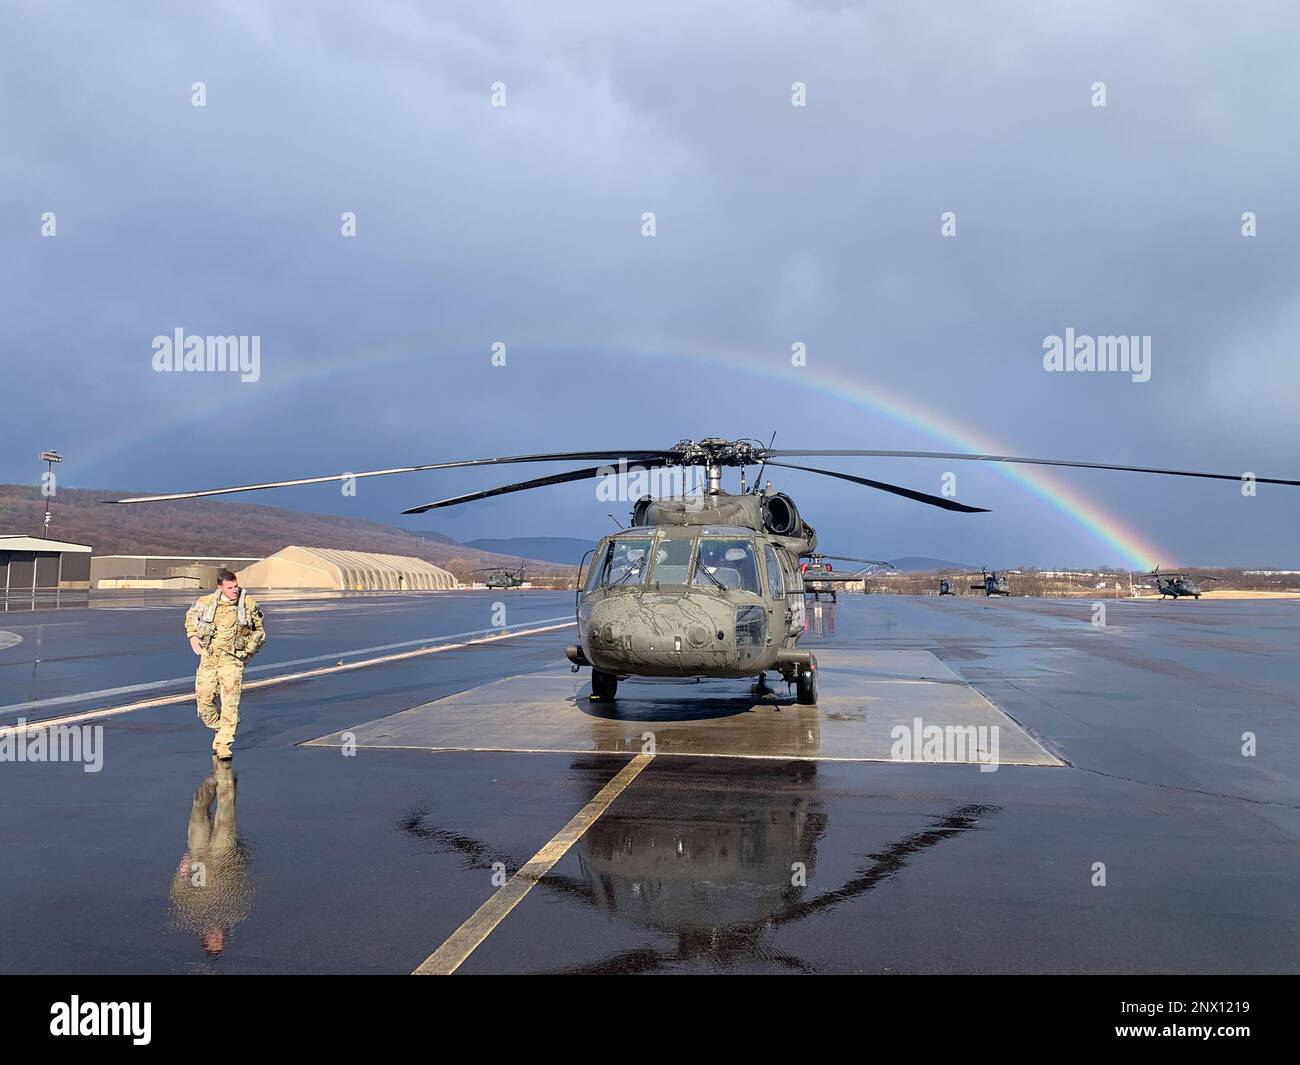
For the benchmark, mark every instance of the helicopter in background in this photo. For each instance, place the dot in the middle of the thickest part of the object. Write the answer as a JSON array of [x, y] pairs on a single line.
[[503, 577], [945, 586], [819, 577], [703, 584], [1176, 585], [992, 583]]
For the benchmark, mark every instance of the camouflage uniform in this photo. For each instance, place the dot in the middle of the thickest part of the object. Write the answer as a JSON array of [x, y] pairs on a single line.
[[212, 888], [230, 632]]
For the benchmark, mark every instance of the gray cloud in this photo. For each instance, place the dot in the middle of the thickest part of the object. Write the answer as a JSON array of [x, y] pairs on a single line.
[[775, 224]]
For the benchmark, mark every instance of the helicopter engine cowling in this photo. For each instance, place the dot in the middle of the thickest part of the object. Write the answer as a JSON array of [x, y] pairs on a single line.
[[781, 516], [767, 514]]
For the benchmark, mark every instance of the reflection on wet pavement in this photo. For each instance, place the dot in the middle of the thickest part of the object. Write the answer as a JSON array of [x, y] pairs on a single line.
[[719, 881], [212, 888]]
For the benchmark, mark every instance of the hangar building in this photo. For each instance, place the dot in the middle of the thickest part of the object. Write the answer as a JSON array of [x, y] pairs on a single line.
[[161, 571], [33, 564], [357, 571]]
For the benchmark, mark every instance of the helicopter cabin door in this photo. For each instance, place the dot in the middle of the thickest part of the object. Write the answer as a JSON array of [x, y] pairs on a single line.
[[780, 618]]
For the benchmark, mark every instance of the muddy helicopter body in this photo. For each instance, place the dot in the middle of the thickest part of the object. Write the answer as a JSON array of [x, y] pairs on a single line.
[[705, 585]]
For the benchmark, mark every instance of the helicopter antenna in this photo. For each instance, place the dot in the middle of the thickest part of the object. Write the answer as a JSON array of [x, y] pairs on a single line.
[[614, 520], [758, 480]]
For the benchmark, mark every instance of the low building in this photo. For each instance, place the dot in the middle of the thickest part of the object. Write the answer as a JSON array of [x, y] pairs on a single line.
[[162, 571], [30, 564], [357, 571], [164, 583]]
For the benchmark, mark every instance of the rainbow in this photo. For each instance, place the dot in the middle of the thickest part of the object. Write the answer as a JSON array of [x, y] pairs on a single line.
[[1106, 528], [1137, 552]]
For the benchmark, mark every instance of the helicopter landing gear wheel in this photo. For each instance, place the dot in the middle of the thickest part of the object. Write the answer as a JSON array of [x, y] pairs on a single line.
[[805, 687], [603, 685]]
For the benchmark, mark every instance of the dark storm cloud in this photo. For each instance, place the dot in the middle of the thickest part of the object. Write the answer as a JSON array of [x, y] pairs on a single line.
[[775, 224]]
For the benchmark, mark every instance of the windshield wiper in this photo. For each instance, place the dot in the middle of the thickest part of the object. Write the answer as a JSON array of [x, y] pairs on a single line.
[[701, 568], [623, 579]]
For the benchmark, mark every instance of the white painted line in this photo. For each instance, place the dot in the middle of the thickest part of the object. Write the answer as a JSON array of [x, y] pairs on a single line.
[[181, 697], [461, 943], [154, 685]]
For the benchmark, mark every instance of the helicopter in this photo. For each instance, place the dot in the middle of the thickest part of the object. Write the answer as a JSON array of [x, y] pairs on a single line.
[[992, 583], [818, 577], [945, 586], [705, 584], [1179, 584], [501, 577]]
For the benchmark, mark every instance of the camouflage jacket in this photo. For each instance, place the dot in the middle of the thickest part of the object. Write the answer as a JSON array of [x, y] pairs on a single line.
[[220, 625]]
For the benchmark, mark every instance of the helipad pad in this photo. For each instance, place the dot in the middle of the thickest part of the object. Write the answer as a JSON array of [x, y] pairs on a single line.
[[873, 706]]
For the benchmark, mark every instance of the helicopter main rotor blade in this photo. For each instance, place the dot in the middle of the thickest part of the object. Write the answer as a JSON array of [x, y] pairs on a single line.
[[906, 493], [868, 561], [523, 486], [632, 458], [1032, 462]]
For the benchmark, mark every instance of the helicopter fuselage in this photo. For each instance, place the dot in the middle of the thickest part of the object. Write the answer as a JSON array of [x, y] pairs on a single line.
[[681, 596]]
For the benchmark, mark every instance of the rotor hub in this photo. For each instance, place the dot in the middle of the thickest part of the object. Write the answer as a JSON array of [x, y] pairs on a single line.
[[713, 451]]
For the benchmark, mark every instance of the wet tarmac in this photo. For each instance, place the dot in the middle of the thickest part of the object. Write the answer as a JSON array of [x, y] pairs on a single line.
[[817, 857]]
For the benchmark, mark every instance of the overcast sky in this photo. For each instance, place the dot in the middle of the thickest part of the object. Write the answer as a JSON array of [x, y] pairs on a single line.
[[775, 224]]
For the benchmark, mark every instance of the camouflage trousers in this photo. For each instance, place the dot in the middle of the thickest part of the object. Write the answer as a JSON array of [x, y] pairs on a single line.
[[224, 674]]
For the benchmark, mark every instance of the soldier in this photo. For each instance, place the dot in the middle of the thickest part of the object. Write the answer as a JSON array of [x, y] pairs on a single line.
[[225, 631]]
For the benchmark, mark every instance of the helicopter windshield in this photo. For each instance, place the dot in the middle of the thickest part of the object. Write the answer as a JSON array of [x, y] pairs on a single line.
[[730, 562], [672, 561], [626, 563]]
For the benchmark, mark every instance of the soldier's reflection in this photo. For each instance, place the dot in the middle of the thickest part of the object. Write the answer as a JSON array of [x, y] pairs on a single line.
[[212, 888]]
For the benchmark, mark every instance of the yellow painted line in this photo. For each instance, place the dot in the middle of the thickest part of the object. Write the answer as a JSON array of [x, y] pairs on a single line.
[[462, 943], [801, 756], [308, 674]]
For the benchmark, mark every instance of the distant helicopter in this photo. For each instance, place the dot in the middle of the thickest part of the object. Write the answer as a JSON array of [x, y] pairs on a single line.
[[819, 577], [945, 586], [993, 583], [701, 585], [1179, 584], [502, 577]]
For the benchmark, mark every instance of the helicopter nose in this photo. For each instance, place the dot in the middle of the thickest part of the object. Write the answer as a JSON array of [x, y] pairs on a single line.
[[657, 633]]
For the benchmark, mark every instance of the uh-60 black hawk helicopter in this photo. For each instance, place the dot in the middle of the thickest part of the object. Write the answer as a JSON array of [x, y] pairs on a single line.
[[703, 585], [503, 577], [820, 578], [992, 583], [1179, 584]]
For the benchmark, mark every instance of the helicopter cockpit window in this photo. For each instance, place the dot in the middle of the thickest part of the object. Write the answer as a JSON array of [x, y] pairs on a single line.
[[775, 583], [730, 563], [672, 561], [627, 563], [596, 570]]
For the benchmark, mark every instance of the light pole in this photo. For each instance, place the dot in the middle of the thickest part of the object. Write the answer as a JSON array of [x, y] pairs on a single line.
[[49, 458]]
